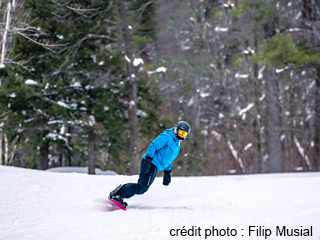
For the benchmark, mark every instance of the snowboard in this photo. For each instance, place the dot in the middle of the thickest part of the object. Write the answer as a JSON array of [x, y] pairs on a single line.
[[117, 204]]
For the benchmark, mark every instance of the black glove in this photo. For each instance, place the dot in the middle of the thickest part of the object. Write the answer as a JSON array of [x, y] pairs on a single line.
[[166, 177], [146, 165]]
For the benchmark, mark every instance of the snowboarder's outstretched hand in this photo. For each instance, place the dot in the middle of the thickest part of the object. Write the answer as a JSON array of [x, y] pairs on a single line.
[[166, 177], [146, 164]]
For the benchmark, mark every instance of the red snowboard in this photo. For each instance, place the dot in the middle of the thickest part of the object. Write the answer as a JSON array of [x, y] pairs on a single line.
[[116, 203]]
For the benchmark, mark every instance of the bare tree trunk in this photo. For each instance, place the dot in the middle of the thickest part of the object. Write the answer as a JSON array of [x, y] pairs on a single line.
[[259, 166], [273, 122], [133, 92], [105, 158], [4, 39], [316, 136], [196, 103], [63, 160], [91, 159], [12, 153], [68, 153], [6, 149], [44, 152]]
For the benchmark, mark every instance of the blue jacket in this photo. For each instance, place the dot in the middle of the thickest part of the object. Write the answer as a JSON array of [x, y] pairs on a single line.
[[164, 150]]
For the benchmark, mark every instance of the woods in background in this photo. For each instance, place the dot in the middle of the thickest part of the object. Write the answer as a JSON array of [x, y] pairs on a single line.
[[92, 82]]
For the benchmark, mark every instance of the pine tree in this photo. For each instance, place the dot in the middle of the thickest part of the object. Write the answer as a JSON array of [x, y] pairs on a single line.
[[71, 87], [137, 30], [284, 50], [71, 104]]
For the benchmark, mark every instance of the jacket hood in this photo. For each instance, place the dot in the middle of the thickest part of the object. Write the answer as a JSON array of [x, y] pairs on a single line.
[[171, 133]]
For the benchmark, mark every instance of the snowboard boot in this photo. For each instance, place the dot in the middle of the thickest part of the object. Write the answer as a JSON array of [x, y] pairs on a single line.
[[114, 195], [119, 199]]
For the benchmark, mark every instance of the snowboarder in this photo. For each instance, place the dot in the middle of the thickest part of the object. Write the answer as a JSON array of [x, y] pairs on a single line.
[[161, 152]]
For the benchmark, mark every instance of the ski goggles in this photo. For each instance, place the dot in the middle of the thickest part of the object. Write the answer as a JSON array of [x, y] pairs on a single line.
[[182, 132]]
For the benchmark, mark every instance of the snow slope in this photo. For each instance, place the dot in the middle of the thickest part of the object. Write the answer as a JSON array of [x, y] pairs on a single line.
[[44, 205]]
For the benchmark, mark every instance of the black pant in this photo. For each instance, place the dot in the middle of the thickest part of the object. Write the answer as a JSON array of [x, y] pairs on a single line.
[[145, 180]]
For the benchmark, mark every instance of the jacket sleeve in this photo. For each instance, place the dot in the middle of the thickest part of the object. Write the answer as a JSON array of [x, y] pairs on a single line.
[[157, 144]]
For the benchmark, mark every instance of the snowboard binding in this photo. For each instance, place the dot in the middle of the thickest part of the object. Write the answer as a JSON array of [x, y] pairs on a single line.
[[115, 198], [119, 202]]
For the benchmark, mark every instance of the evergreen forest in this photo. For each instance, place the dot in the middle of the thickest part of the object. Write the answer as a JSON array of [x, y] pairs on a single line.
[[92, 82]]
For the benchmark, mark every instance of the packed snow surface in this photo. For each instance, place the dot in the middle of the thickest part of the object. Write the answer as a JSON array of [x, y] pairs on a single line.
[[46, 205]]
